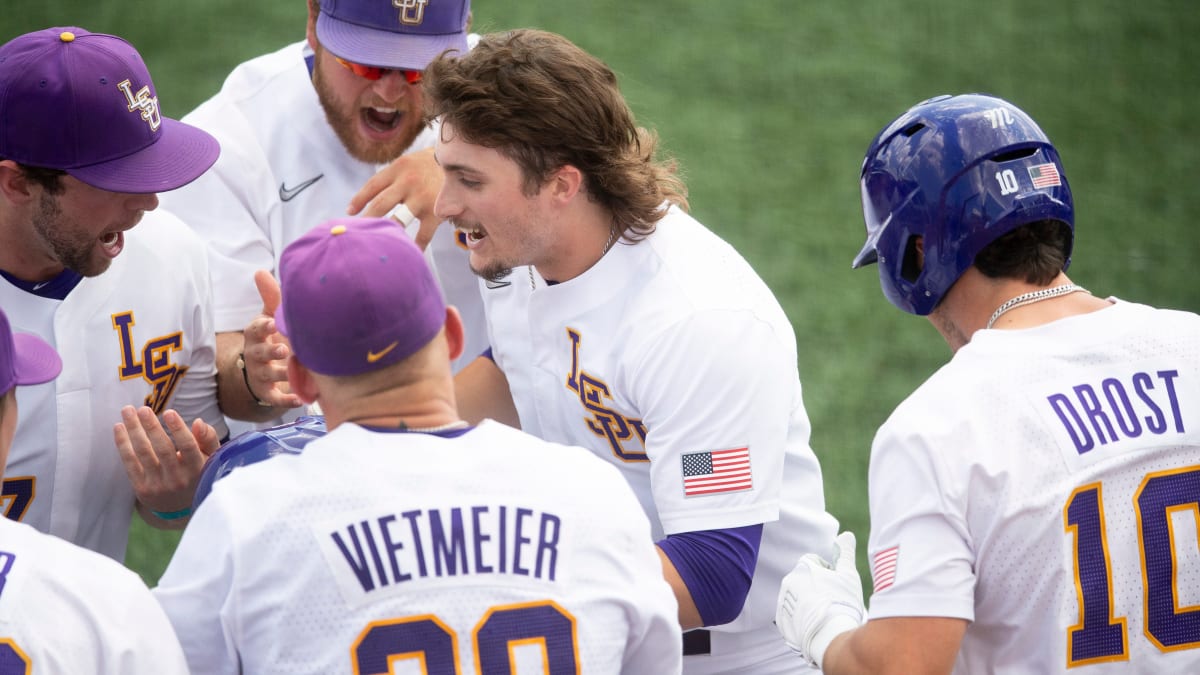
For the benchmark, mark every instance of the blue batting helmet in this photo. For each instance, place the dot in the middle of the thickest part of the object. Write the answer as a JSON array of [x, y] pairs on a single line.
[[959, 172], [254, 446]]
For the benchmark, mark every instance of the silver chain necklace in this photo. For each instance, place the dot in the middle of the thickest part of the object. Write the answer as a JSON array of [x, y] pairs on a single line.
[[1035, 296], [612, 237]]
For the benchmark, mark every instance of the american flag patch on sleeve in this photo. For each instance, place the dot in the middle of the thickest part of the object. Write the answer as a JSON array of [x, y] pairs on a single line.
[[706, 473], [1044, 175], [883, 567]]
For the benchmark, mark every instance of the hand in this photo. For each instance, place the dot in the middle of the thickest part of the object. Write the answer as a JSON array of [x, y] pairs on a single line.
[[819, 601], [265, 350], [413, 180], [163, 465]]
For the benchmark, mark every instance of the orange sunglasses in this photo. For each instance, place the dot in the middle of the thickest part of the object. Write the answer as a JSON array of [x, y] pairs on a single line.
[[375, 72]]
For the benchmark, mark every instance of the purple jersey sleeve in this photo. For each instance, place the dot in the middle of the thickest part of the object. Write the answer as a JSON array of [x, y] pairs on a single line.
[[717, 567]]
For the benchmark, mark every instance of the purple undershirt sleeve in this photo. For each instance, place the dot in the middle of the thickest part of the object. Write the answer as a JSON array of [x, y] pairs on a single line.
[[717, 567]]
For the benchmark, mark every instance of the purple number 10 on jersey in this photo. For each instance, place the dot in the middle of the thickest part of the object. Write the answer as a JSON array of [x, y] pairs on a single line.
[[1099, 636]]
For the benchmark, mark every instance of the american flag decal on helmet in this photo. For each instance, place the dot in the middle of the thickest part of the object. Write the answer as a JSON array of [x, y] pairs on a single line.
[[1045, 175]]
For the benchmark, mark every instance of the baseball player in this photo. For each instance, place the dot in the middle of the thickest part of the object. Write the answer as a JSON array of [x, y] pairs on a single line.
[[404, 538], [1034, 503], [304, 130], [621, 324], [64, 609], [84, 148]]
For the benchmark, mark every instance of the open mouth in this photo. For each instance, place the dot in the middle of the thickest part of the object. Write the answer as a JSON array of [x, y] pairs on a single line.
[[473, 235], [382, 120], [112, 243]]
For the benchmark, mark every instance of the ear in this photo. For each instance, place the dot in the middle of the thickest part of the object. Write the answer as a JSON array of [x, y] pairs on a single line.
[[455, 333], [310, 30], [15, 187], [565, 183], [302, 382]]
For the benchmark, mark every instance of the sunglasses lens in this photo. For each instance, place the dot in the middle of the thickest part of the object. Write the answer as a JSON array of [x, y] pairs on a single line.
[[369, 72], [375, 72]]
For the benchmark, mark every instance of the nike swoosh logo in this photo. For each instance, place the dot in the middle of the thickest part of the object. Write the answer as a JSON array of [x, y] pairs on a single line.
[[496, 284], [372, 357], [287, 194], [38, 287]]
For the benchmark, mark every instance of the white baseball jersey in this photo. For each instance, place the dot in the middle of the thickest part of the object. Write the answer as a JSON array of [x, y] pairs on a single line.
[[423, 554], [673, 361], [64, 609], [139, 334], [1045, 485], [283, 170]]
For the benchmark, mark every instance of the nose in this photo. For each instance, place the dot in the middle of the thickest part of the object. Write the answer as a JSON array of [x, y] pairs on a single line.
[[142, 202], [445, 207], [392, 85]]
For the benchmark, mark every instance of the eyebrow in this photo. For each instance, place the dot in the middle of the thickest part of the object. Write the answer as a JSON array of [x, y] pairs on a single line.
[[460, 168]]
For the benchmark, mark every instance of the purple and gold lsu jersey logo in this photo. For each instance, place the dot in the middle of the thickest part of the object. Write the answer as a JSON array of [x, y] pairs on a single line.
[[603, 420], [151, 363], [142, 103], [412, 12]]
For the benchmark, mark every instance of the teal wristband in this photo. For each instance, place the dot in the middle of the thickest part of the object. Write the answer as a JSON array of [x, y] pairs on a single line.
[[172, 515]]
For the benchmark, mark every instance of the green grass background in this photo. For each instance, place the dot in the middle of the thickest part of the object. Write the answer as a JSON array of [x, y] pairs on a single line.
[[769, 105]]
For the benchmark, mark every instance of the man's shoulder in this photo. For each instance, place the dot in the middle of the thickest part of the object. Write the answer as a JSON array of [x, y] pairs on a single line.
[[264, 84], [166, 235], [72, 567]]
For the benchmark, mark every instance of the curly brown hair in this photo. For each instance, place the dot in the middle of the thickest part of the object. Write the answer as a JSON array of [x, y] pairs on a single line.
[[544, 103]]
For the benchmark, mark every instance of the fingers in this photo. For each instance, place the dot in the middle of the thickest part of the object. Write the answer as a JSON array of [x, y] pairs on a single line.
[[369, 193], [206, 437], [266, 372], [425, 233], [268, 290], [127, 448], [190, 456], [846, 544], [163, 464], [413, 179], [161, 443]]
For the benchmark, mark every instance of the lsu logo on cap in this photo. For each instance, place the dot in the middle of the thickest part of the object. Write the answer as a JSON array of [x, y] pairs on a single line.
[[144, 102], [412, 12]]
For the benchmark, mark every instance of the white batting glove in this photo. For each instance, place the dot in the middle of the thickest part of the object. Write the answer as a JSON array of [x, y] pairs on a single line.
[[819, 601]]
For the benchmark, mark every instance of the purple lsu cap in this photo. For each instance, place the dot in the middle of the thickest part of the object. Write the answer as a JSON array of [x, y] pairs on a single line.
[[357, 296], [24, 358], [83, 102], [405, 34]]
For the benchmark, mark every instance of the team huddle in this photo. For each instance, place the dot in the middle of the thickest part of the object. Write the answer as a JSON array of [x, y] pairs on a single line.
[[408, 382]]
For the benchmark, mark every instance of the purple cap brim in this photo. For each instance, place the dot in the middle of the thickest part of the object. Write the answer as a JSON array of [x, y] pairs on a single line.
[[180, 155], [34, 362], [410, 50]]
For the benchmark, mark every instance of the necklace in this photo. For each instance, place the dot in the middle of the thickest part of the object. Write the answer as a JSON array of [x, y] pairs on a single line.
[[449, 426], [612, 237], [1035, 296]]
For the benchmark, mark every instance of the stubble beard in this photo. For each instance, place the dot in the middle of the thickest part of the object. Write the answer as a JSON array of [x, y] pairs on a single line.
[[73, 253]]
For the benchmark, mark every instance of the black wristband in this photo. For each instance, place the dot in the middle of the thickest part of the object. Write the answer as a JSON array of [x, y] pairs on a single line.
[[241, 363]]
